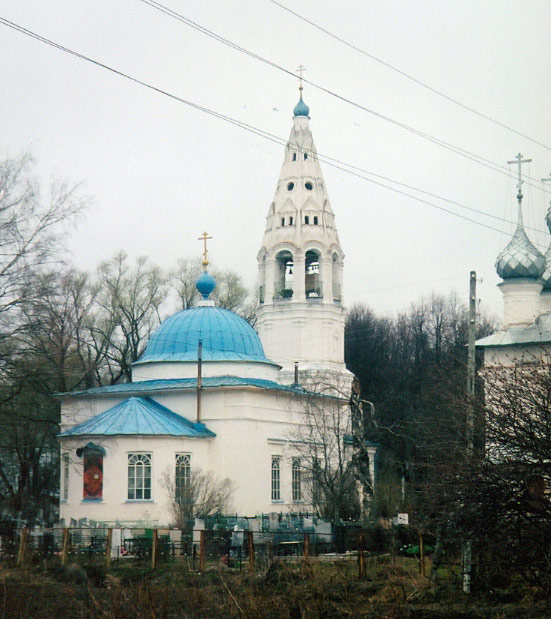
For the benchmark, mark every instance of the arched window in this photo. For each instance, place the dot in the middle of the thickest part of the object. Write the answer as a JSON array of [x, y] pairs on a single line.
[[312, 281], [296, 480], [306, 219], [290, 221], [283, 284], [276, 478], [315, 220], [305, 156], [282, 221], [182, 478], [139, 477], [92, 487], [294, 156], [336, 277], [262, 285]]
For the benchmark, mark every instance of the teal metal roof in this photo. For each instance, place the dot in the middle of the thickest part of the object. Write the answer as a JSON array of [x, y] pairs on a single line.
[[225, 336], [301, 109], [139, 416], [183, 384]]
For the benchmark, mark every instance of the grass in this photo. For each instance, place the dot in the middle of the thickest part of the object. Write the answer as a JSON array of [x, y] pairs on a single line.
[[392, 589]]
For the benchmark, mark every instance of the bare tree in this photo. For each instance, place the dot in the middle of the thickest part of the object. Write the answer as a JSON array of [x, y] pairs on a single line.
[[202, 495], [230, 292], [129, 299], [324, 441]]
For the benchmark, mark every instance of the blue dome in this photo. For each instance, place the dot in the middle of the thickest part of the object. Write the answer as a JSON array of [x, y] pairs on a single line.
[[301, 109], [226, 337]]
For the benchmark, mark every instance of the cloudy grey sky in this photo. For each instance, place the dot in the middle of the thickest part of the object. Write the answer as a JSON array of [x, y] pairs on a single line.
[[160, 172]]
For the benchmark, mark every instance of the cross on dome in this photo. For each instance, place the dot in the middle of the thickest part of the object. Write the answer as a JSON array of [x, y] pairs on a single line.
[[519, 161], [206, 282], [204, 237]]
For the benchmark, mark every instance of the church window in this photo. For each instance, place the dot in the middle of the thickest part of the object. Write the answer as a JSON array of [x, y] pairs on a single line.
[[65, 477], [182, 477], [283, 221], [139, 477], [294, 156], [290, 186], [306, 219], [290, 221], [296, 480], [93, 475], [315, 220], [276, 478], [316, 485], [308, 185], [305, 156]]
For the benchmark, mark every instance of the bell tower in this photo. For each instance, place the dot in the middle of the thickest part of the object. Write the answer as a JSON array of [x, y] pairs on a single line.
[[301, 314]]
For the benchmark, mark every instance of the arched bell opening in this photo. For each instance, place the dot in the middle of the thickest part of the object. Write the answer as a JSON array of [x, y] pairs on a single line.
[[262, 280], [312, 278], [336, 277], [283, 285]]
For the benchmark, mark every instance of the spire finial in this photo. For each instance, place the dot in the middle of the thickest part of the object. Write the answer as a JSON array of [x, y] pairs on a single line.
[[204, 237], [301, 69], [519, 161]]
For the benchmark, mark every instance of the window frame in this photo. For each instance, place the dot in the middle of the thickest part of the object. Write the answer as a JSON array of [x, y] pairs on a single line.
[[182, 482], [296, 480], [146, 480], [275, 486], [65, 462]]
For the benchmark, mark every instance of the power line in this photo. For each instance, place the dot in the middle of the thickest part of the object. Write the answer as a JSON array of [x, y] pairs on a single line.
[[456, 149], [335, 163], [408, 76]]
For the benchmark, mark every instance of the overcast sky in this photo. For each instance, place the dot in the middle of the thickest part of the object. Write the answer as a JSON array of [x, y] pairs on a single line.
[[161, 172]]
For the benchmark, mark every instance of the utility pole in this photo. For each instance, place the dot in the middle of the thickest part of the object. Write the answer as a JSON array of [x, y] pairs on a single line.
[[469, 421]]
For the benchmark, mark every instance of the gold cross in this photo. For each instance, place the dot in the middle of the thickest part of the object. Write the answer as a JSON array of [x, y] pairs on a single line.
[[204, 237]]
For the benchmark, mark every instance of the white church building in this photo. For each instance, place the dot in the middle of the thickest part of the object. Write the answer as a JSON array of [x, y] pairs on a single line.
[[237, 412], [525, 337]]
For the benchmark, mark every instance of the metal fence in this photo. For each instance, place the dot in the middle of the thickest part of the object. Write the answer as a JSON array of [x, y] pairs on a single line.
[[231, 548]]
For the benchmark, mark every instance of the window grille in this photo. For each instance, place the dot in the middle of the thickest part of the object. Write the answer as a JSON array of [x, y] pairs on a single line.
[[65, 477], [182, 476], [139, 477], [276, 479], [296, 480]]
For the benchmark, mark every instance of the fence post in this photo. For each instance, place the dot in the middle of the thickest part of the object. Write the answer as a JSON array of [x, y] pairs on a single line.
[[22, 546], [306, 547], [250, 543], [65, 550], [108, 547], [361, 558], [202, 550], [154, 548], [421, 555]]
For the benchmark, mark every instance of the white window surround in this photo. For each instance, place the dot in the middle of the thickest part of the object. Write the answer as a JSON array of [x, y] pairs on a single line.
[[276, 479], [182, 473], [139, 476]]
